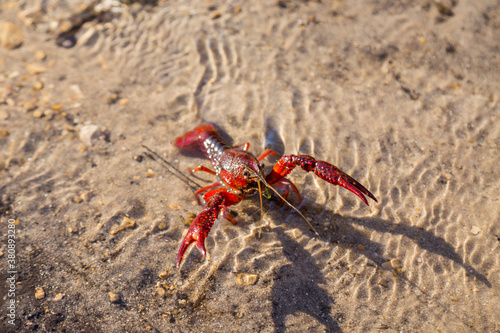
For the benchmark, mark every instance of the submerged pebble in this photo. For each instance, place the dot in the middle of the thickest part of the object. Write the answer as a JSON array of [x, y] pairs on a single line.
[[40, 55], [89, 134], [4, 115], [36, 68], [114, 297], [39, 293], [382, 282], [150, 173], [11, 35], [396, 263], [475, 230], [245, 279], [126, 223]]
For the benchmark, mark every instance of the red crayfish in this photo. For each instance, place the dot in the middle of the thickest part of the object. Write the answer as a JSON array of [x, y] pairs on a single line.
[[240, 174]]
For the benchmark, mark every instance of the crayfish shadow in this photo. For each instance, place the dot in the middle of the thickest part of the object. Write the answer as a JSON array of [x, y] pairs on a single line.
[[296, 287], [346, 234]]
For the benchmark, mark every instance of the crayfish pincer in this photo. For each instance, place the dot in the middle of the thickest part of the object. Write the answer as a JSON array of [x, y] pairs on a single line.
[[240, 174]]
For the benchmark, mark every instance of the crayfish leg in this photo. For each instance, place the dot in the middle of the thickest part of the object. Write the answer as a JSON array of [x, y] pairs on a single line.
[[204, 189], [266, 153], [203, 168], [285, 185], [244, 146]]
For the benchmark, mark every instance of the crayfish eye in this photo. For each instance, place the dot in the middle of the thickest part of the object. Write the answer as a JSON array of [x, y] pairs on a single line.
[[246, 173]]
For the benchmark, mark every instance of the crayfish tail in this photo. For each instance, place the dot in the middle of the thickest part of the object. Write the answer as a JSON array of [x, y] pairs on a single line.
[[195, 136]]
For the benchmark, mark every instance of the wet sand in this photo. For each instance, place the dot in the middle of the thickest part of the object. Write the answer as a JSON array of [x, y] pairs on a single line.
[[403, 96]]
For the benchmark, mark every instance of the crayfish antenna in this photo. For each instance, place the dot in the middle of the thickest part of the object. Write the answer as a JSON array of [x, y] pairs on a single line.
[[261, 209], [294, 208], [279, 195]]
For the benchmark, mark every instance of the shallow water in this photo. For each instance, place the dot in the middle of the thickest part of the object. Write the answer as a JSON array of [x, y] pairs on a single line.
[[400, 96]]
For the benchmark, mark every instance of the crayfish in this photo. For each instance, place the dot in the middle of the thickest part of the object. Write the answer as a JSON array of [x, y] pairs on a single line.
[[241, 174]]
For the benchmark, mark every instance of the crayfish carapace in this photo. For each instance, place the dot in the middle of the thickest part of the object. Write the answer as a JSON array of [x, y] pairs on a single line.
[[240, 174]]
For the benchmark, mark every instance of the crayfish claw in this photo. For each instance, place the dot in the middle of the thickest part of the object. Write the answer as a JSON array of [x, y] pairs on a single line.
[[201, 225], [354, 186], [335, 176], [195, 234], [200, 244]]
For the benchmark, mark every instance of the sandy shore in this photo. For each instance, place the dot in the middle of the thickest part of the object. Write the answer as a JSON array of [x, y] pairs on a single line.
[[401, 95]]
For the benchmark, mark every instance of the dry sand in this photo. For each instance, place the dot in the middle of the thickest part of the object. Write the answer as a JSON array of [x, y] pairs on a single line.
[[402, 95]]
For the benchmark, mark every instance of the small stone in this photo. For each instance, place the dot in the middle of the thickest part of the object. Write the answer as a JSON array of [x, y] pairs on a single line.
[[49, 114], [31, 15], [126, 223], [36, 68], [396, 263], [87, 196], [161, 291], [4, 133], [13, 74], [113, 297], [11, 35], [89, 134], [70, 230], [10, 102], [189, 220], [475, 230], [112, 98], [38, 85], [77, 92], [58, 297], [387, 265], [4, 115], [40, 55], [361, 247], [162, 225], [30, 105], [174, 206], [123, 101], [4, 91], [215, 14], [77, 199], [56, 107], [37, 114], [150, 173], [39, 293], [1, 254], [382, 282], [245, 279], [164, 275]]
